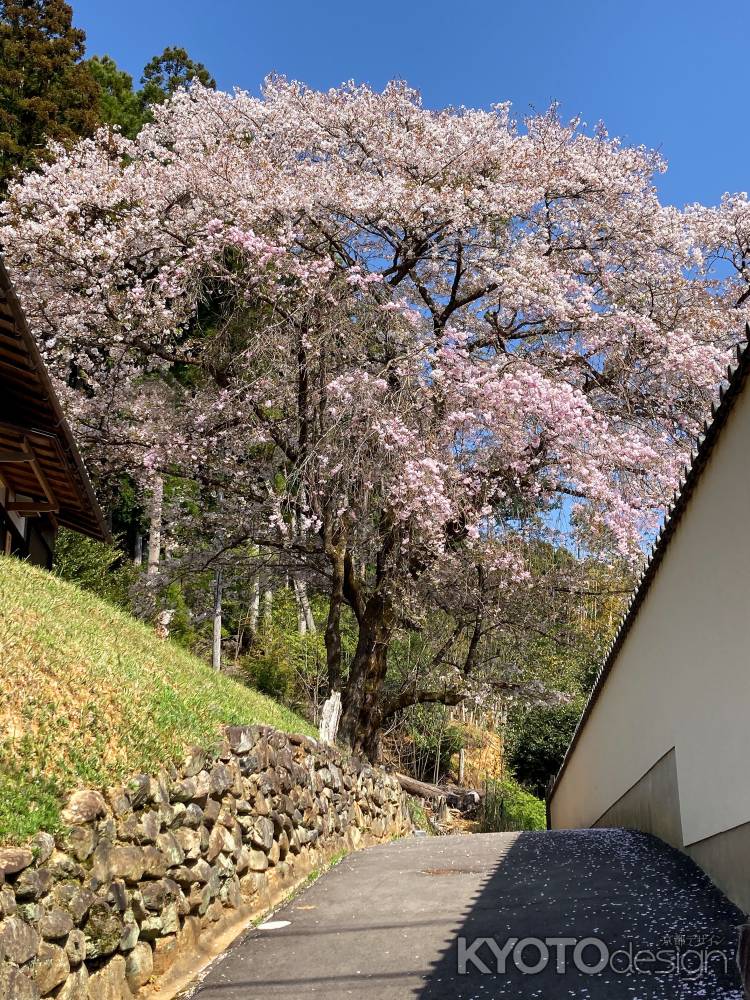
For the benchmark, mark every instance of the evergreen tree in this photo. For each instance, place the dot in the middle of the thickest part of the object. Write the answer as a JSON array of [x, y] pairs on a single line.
[[46, 91], [166, 73], [119, 104]]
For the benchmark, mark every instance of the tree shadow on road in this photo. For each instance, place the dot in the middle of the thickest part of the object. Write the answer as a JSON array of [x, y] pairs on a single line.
[[663, 929]]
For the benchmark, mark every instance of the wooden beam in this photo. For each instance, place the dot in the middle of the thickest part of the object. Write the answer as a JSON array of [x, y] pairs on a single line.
[[53, 505], [26, 456], [31, 507]]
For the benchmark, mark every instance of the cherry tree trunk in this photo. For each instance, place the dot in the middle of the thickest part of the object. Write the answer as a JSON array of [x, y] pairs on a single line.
[[362, 718], [332, 636]]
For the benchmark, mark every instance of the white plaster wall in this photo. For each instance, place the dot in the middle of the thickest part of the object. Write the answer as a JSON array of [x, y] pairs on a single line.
[[682, 677]]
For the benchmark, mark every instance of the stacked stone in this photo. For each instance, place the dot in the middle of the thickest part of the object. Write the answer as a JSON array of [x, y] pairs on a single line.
[[140, 872]]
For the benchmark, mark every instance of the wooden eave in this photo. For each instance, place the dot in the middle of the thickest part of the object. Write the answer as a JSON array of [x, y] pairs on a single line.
[[38, 456]]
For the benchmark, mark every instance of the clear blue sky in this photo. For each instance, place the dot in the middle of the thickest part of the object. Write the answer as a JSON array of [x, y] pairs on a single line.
[[671, 74]]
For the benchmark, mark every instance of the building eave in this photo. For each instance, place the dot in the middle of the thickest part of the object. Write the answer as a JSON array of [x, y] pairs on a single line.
[[32, 383]]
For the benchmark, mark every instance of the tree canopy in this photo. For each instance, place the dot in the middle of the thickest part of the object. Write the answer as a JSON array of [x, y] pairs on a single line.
[[119, 104], [49, 92]]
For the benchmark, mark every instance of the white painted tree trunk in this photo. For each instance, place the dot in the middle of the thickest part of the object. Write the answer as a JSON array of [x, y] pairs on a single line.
[[267, 607], [154, 531], [301, 623], [330, 718], [305, 600], [305, 620]]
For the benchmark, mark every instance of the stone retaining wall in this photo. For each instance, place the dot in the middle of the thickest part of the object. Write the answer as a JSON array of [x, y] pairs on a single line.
[[144, 874]]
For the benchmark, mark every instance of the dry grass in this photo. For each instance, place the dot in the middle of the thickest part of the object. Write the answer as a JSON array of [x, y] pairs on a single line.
[[483, 756], [90, 695]]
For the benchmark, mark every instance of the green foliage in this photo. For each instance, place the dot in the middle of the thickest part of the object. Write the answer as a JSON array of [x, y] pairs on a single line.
[[49, 91], [94, 566], [167, 73], [285, 665], [431, 738], [418, 815], [118, 102], [564, 656], [507, 806], [272, 677], [91, 696], [46, 91], [181, 627], [538, 742]]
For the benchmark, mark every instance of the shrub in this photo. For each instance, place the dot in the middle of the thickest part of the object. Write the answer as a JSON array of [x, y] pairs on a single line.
[[101, 569], [423, 738], [538, 742], [418, 815], [508, 806]]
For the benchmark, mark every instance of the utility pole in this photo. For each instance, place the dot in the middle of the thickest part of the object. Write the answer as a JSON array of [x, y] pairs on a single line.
[[216, 654], [154, 530]]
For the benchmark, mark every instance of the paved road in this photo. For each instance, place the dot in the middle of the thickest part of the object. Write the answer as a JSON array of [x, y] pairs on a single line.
[[386, 924]]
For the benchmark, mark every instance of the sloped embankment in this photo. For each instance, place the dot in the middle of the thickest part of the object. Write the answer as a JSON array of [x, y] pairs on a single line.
[[90, 695]]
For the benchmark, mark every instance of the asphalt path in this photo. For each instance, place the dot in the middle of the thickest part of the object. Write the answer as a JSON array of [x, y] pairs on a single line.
[[594, 914]]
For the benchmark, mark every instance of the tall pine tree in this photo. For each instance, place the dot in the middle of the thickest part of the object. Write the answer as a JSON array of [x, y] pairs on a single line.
[[169, 72], [119, 104], [46, 91]]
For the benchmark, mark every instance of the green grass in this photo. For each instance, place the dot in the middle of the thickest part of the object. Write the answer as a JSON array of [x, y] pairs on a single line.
[[321, 870], [418, 816], [89, 696]]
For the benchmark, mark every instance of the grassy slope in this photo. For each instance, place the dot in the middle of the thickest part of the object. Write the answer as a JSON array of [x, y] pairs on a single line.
[[89, 695]]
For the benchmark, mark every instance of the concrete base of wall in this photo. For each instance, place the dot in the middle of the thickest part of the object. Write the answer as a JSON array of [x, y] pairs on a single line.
[[726, 858], [652, 805]]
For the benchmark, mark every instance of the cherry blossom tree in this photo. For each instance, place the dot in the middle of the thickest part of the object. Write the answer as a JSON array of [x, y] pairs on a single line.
[[403, 345]]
